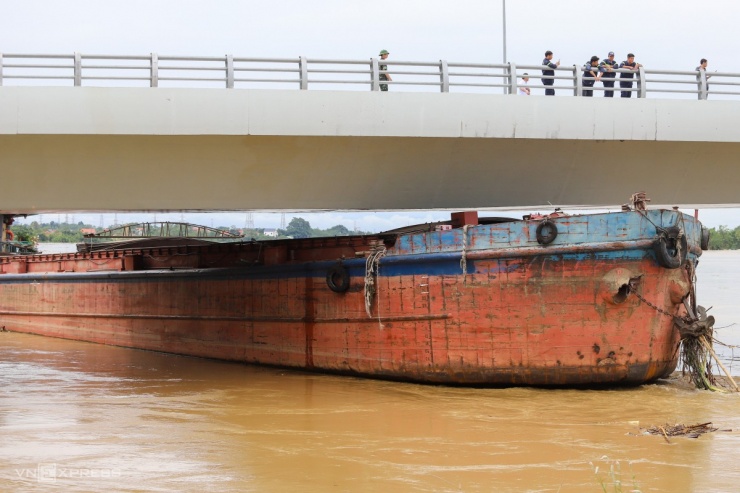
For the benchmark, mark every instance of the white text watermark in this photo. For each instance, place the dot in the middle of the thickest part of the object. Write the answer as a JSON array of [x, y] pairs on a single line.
[[50, 473]]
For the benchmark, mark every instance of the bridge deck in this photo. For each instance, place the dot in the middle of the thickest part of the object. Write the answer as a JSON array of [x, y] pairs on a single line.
[[158, 149]]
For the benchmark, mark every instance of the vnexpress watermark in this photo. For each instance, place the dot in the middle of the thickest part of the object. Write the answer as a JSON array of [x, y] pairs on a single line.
[[49, 473]]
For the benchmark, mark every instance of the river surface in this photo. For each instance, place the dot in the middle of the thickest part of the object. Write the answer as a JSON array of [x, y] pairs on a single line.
[[82, 417]]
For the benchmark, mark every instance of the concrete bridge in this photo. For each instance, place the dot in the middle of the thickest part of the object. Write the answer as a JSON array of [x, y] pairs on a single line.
[[166, 149]]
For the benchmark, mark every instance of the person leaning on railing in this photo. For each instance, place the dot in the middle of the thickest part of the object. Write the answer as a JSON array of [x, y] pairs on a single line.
[[606, 67], [591, 75]]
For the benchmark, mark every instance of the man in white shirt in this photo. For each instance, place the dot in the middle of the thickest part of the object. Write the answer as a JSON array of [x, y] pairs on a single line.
[[523, 89], [702, 68]]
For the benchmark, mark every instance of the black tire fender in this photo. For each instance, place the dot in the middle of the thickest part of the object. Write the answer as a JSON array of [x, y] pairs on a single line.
[[704, 238], [547, 231], [671, 248], [337, 278]]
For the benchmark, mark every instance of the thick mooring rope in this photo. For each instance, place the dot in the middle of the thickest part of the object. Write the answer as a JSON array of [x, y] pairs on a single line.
[[696, 330], [372, 265]]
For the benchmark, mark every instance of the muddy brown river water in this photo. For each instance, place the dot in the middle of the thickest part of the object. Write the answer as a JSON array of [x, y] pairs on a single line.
[[81, 417]]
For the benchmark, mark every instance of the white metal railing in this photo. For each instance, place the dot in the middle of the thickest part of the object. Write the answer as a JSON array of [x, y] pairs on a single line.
[[244, 72]]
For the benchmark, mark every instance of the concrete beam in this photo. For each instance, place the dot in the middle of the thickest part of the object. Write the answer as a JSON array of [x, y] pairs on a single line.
[[101, 149]]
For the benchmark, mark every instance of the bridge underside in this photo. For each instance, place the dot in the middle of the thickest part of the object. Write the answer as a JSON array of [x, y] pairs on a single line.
[[45, 173]]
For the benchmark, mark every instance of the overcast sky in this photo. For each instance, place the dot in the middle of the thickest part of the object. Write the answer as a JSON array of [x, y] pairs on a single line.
[[662, 33]]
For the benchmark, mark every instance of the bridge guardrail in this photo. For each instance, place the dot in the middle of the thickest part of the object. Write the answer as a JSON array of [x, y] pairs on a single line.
[[303, 73]]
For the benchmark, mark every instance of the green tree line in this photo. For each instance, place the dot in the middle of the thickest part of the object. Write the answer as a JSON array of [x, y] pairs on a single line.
[[724, 238], [54, 232]]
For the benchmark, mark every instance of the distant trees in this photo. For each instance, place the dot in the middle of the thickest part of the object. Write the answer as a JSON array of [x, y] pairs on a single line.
[[724, 238], [54, 232], [298, 228], [23, 232], [48, 232], [338, 230]]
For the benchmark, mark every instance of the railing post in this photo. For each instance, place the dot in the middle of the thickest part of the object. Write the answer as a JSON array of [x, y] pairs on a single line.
[[229, 71], [1, 69], [154, 71], [578, 81], [303, 67], [444, 76], [512, 79], [641, 85], [78, 69], [703, 86], [374, 75]]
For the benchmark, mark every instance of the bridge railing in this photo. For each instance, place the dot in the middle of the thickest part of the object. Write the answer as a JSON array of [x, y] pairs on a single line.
[[229, 71]]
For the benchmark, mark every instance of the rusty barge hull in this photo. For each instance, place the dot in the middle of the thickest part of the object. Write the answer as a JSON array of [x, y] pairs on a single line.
[[482, 304]]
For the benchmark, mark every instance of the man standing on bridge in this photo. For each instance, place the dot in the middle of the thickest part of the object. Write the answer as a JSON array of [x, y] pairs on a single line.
[[591, 75], [384, 75], [702, 69], [628, 64], [547, 62], [606, 67]]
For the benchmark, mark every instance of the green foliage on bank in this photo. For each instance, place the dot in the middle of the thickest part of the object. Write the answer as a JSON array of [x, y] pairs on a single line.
[[724, 238], [49, 232], [300, 228], [54, 232]]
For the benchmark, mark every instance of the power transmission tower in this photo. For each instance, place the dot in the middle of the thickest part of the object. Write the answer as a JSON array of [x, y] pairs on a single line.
[[249, 221], [282, 220]]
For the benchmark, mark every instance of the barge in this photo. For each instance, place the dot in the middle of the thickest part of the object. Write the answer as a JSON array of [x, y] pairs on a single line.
[[548, 300]]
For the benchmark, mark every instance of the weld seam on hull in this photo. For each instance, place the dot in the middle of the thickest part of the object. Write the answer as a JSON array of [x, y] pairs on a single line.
[[242, 319]]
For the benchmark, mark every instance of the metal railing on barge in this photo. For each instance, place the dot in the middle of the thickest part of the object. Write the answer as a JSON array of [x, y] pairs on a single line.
[[233, 72]]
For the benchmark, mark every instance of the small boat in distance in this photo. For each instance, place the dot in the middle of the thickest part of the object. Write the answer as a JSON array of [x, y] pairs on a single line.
[[548, 300]]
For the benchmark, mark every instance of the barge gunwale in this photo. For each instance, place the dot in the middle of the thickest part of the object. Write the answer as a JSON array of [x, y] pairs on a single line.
[[321, 265]]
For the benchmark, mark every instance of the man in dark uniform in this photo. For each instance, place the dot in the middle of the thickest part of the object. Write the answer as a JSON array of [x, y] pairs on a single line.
[[591, 75], [606, 67], [383, 68], [623, 82], [547, 62]]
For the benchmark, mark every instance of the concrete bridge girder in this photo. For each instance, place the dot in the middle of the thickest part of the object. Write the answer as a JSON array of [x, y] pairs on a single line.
[[118, 149]]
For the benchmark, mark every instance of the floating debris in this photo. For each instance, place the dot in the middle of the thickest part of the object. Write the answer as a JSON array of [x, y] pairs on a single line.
[[679, 430]]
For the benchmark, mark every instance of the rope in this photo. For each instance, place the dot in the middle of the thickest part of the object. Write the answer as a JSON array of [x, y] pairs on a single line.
[[658, 229], [372, 267], [696, 330], [662, 230]]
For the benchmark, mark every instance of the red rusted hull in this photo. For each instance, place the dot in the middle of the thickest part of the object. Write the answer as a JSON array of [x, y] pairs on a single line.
[[544, 318]]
